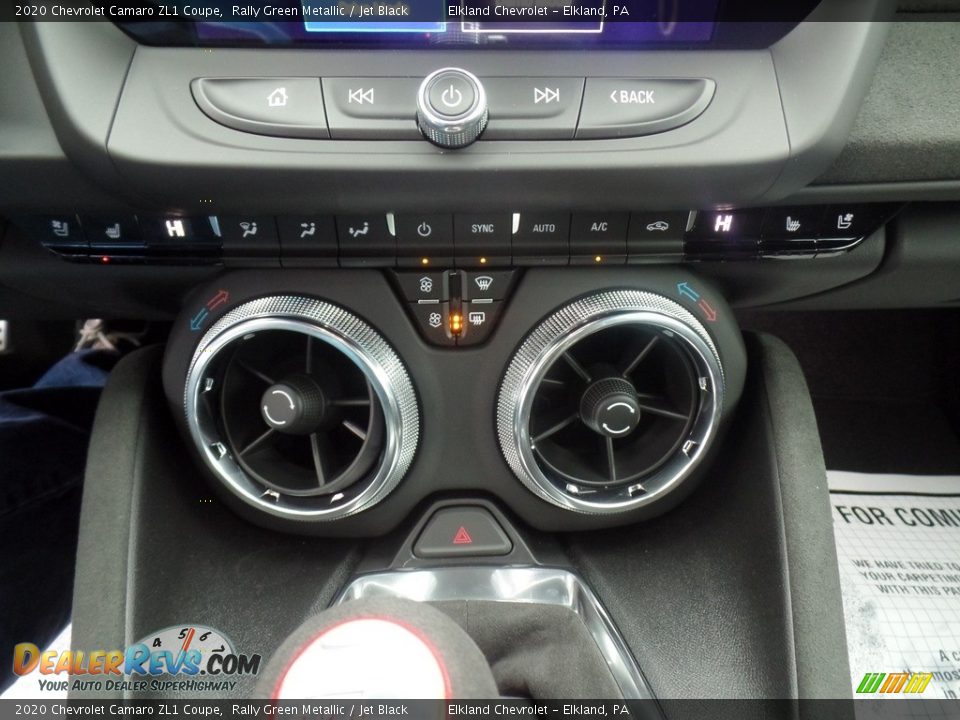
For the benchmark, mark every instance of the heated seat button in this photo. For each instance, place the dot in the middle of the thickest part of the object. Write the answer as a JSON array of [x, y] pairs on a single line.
[[853, 220], [54, 231], [462, 532], [284, 107], [624, 107], [532, 108], [792, 223], [112, 233], [376, 108]]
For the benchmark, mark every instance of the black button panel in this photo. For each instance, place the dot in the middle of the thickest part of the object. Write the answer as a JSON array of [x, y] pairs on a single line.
[[481, 244], [520, 108], [455, 307]]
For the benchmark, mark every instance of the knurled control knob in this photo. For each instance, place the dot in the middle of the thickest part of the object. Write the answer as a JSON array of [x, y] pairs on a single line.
[[610, 407], [451, 107], [295, 406]]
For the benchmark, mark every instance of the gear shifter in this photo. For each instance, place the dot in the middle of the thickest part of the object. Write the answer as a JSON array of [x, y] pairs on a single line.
[[379, 648]]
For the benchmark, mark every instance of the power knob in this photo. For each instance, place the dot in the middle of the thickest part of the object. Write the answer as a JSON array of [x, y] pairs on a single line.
[[451, 107]]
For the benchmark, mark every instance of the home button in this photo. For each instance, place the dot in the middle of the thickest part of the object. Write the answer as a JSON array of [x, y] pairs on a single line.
[[462, 532]]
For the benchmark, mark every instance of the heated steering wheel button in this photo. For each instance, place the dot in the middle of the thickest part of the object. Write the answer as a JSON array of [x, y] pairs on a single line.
[[462, 532]]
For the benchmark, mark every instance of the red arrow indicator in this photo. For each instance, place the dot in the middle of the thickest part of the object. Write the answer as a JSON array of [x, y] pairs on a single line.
[[217, 300], [708, 311], [462, 537]]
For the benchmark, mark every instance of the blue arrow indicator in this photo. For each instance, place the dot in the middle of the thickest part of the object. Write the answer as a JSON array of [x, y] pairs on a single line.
[[686, 291], [197, 322]]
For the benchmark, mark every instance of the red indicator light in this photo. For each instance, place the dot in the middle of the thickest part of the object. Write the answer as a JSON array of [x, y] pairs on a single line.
[[462, 537]]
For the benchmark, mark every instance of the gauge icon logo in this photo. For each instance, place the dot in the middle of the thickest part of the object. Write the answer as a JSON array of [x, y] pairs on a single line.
[[184, 638]]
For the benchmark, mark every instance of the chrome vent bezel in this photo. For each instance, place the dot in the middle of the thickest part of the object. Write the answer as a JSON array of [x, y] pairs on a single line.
[[562, 330], [364, 346]]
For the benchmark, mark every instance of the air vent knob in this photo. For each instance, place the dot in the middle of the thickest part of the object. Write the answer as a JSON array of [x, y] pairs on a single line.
[[451, 107], [296, 406], [610, 407]]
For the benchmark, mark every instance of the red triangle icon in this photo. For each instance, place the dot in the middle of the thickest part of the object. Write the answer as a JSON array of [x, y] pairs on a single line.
[[462, 537]]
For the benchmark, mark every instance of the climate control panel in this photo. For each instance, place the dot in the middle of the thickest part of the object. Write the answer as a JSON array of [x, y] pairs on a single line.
[[468, 240]]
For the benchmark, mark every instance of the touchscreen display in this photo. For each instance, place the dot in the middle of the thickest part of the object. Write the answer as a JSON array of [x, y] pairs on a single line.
[[466, 23]]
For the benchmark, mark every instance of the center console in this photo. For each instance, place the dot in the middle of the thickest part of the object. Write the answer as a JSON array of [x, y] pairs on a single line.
[[453, 321]]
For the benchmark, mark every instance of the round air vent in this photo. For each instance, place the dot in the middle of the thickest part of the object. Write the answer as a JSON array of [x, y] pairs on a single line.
[[301, 409], [611, 402]]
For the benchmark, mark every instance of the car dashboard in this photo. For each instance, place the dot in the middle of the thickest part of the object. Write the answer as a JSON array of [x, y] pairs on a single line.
[[463, 298]]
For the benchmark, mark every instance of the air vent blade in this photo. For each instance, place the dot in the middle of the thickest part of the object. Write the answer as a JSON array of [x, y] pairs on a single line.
[[315, 412], [600, 401]]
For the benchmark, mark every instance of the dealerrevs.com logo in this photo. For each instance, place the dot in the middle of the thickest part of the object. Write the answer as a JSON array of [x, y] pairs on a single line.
[[185, 658]]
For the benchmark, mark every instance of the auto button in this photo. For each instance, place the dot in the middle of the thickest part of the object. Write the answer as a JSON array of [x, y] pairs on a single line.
[[626, 107]]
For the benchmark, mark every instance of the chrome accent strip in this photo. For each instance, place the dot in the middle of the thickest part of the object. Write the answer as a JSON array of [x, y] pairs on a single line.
[[545, 586], [558, 333], [365, 347]]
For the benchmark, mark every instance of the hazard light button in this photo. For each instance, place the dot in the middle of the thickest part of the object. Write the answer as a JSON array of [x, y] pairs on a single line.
[[462, 532]]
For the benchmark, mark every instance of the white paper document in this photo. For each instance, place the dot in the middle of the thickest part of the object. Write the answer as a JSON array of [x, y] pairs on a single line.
[[898, 548]]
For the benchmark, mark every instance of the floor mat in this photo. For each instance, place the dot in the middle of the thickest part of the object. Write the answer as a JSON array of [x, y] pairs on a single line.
[[898, 547]]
